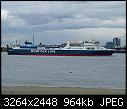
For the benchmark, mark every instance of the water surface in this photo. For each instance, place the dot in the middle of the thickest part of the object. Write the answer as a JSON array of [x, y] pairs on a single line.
[[64, 71]]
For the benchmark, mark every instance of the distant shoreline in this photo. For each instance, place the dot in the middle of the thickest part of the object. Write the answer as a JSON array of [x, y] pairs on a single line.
[[36, 90]]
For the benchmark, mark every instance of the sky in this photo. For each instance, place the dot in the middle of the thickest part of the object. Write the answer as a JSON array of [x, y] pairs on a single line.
[[55, 22]]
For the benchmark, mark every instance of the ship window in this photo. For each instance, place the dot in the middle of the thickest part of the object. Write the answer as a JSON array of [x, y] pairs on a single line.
[[87, 48], [92, 48]]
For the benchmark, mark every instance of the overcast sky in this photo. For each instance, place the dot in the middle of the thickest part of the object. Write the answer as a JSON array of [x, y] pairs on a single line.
[[55, 22]]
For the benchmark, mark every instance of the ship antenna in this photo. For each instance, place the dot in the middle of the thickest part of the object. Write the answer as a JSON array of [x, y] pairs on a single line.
[[33, 39]]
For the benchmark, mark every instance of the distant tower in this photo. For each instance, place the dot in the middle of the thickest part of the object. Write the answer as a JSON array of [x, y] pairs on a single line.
[[117, 42]]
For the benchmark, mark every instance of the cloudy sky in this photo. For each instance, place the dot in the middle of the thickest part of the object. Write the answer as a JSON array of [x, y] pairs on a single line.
[[55, 22]]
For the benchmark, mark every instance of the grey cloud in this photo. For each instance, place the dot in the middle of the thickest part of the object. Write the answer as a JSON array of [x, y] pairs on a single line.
[[38, 16]]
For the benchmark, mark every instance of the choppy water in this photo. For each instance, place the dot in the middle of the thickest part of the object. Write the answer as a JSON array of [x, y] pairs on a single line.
[[90, 72]]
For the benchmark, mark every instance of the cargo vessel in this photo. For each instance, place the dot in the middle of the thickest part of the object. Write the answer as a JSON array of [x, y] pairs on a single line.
[[70, 48]]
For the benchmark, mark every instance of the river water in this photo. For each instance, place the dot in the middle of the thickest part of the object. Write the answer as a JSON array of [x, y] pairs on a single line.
[[64, 71]]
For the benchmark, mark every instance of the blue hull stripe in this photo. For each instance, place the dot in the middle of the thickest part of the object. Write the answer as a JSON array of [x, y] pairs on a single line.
[[60, 52]]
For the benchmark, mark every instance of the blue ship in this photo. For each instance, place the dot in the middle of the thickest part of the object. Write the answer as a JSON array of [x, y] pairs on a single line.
[[70, 48]]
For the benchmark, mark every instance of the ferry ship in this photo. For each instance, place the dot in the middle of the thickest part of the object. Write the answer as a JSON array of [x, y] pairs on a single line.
[[70, 48]]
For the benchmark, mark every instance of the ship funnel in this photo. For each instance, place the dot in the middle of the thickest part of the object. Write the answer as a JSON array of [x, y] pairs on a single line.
[[68, 43]]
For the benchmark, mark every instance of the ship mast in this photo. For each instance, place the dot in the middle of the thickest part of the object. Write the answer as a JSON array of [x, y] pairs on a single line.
[[33, 39]]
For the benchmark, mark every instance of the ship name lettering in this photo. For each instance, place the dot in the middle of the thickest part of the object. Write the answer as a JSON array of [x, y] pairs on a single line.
[[51, 51], [44, 51]]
